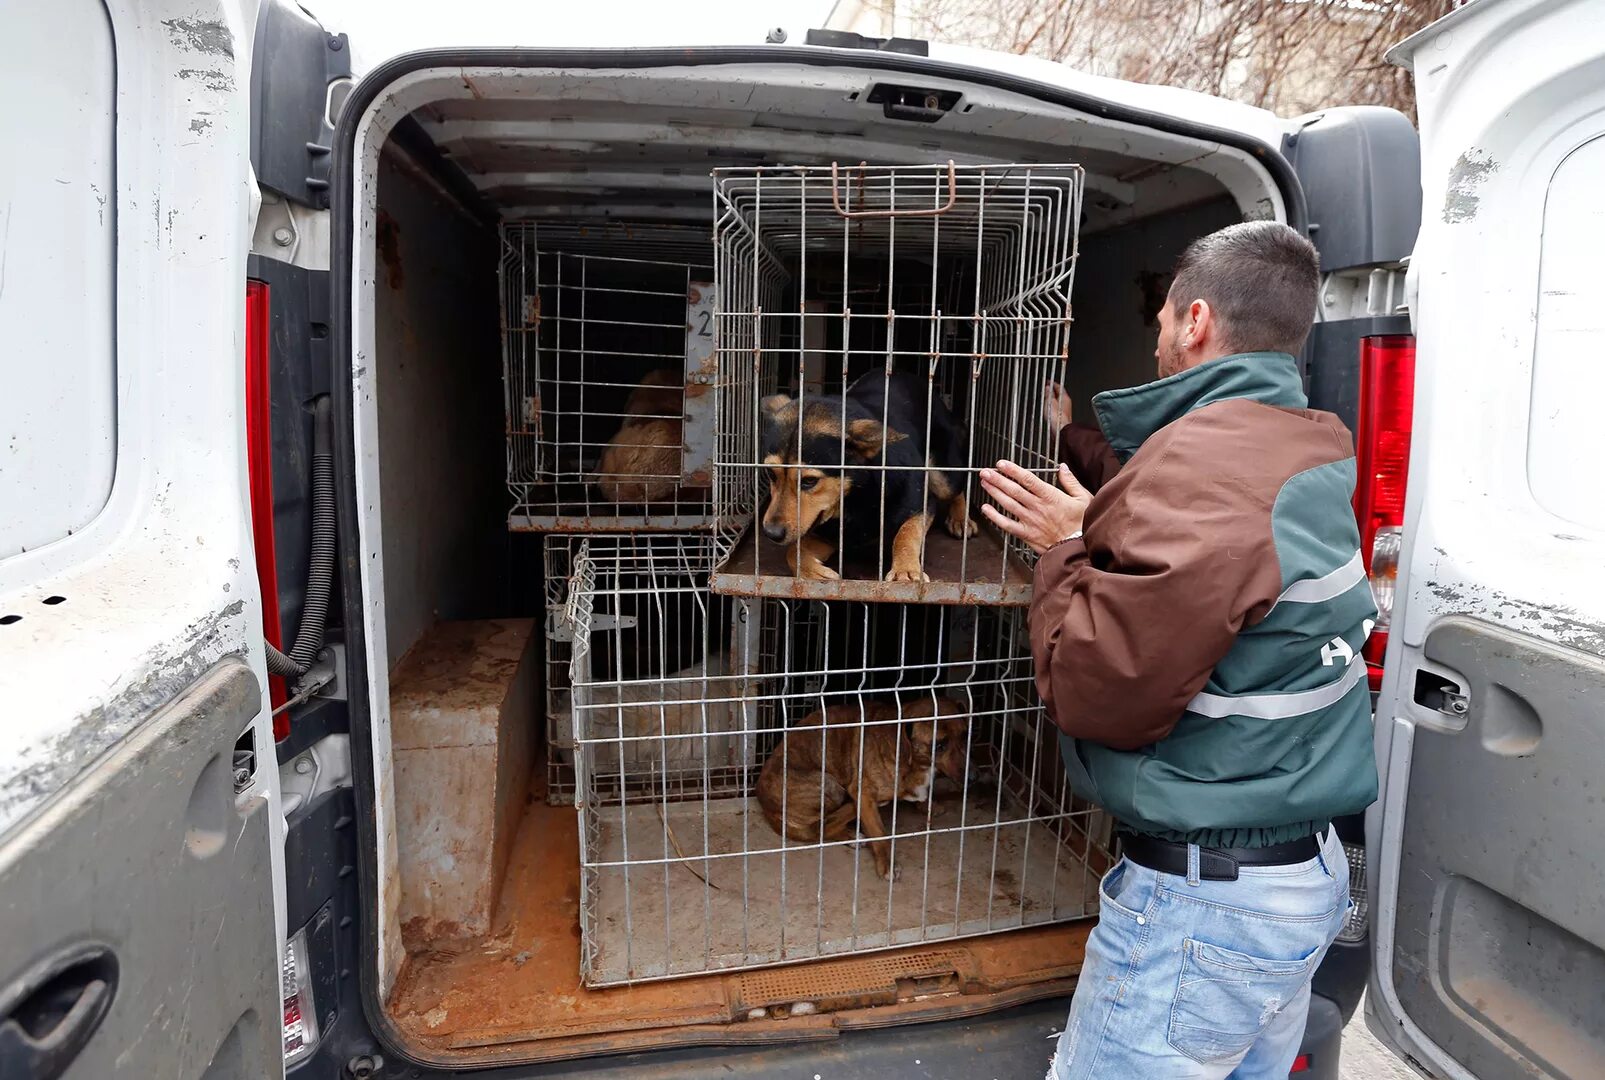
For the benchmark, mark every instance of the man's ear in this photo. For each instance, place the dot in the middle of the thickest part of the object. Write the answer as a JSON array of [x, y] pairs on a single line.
[[1199, 328], [867, 437]]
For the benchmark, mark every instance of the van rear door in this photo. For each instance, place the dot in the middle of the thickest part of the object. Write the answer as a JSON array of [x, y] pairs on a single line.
[[140, 842], [1489, 838]]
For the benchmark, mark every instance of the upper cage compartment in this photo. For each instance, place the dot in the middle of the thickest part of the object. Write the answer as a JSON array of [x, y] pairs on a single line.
[[912, 317], [607, 341]]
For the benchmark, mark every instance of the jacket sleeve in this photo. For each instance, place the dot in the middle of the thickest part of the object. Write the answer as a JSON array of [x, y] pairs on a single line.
[[1087, 452], [1128, 623]]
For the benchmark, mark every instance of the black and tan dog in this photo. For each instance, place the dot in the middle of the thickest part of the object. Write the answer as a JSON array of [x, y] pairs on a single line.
[[849, 759], [836, 462]]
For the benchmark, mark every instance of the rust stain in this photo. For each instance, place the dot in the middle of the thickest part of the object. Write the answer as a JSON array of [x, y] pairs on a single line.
[[697, 389], [468, 84], [387, 238]]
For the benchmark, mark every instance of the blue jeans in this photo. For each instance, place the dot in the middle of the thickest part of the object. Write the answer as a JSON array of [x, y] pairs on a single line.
[[1196, 979]]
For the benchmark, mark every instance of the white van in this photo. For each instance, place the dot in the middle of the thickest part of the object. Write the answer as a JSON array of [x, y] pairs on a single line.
[[285, 681]]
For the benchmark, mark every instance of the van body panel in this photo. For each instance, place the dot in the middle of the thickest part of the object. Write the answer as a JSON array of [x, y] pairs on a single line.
[[1485, 844], [139, 824]]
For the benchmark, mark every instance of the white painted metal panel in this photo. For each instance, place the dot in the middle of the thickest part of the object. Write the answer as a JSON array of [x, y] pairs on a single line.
[[58, 379]]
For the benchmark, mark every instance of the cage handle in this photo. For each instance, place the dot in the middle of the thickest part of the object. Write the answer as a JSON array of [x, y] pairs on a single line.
[[935, 211]]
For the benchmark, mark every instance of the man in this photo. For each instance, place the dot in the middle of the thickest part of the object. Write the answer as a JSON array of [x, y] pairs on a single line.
[[1196, 628]]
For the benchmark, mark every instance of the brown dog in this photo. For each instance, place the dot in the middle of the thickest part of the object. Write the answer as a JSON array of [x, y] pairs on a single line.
[[817, 782], [641, 463]]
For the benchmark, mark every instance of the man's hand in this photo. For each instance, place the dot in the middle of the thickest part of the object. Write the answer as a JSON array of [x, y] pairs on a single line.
[[1055, 406], [1033, 509]]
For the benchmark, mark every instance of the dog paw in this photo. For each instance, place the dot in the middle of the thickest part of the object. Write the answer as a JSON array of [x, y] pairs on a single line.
[[818, 572], [962, 526], [907, 573], [889, 873]]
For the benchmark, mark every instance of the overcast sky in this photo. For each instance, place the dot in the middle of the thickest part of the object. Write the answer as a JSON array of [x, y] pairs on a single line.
[[382, 28]]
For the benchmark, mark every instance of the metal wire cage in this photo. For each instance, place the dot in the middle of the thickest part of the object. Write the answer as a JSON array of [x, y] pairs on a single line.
[[682, 870], [931, 299], [633, 613], [607, 345]]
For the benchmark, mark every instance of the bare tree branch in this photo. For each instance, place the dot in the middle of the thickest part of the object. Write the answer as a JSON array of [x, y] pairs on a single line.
[[1290, 56]]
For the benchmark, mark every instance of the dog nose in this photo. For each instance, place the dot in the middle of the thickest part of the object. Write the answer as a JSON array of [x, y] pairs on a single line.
[[777, 533]]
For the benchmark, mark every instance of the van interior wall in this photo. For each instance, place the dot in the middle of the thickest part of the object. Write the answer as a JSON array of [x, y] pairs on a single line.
[[443, 500], [1121, 278]]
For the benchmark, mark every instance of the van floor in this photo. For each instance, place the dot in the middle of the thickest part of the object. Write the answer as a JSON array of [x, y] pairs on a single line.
[[474, 999]]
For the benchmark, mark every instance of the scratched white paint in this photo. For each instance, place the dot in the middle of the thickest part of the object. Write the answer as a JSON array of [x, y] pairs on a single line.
[[1502, 519], [159, 583]]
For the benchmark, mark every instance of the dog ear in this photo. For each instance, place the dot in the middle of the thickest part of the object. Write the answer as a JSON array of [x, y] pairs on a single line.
[[868, 436], [771, 421]]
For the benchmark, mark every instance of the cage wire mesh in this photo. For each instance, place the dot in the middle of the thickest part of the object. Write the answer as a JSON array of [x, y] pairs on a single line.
[[633, 611], [608, 365], [912, 316], [686, 780]]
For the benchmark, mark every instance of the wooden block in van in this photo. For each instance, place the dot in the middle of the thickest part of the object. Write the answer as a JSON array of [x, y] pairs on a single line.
[[463, 710]]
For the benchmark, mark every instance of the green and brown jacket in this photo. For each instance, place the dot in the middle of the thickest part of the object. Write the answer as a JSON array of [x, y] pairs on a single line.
[[1200, 645]]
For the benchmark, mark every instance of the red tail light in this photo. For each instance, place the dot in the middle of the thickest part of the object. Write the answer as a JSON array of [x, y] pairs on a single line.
[[259, 460], [1387, 408]]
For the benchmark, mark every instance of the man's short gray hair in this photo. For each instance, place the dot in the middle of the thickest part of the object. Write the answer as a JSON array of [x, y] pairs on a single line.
[[1259, 277]]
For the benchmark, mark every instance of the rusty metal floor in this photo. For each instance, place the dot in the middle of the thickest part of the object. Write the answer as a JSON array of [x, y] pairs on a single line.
[[976, 571], [516, 992]]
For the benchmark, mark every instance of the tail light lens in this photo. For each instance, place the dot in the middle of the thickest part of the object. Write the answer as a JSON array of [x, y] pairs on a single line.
[[300, 1011], [259, 463], [1387, 409]]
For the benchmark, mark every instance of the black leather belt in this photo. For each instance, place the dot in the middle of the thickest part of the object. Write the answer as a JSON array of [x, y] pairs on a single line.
[[1215, 864]]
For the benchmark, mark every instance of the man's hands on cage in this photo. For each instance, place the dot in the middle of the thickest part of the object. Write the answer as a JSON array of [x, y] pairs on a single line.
[[1033, 509]]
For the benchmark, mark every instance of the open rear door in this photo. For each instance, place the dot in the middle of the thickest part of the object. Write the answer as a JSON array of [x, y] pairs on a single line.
[[139, 828], [1489, 840]]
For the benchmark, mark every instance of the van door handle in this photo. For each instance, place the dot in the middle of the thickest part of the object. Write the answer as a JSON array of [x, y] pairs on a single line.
[[51, 1012]]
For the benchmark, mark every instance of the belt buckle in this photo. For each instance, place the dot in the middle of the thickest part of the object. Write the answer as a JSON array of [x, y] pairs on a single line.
[[1216, 865]]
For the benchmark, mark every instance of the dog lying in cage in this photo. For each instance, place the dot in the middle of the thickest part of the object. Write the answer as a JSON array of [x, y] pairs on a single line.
[[640, 727], [835, 463], [841, 763], [641, 463]]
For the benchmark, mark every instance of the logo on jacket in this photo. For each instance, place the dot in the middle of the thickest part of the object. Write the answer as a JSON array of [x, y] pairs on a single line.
[[1338, 647]]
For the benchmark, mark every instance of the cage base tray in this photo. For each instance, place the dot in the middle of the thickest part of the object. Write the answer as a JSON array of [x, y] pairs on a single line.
[[667, 922], [575, 507], [977, 571]]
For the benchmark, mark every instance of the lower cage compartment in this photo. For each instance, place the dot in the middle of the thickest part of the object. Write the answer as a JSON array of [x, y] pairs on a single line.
[[823, 780], [470, 999], [708, 888]]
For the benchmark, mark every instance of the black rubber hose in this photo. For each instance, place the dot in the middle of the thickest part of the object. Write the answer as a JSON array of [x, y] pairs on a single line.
[[279, 664], [320, 566]]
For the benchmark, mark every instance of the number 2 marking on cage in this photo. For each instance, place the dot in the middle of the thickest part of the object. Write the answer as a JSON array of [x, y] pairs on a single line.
[[707, 320]]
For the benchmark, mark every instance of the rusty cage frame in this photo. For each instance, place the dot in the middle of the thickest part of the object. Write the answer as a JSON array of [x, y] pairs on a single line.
[[958, 275], [681, 874]]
